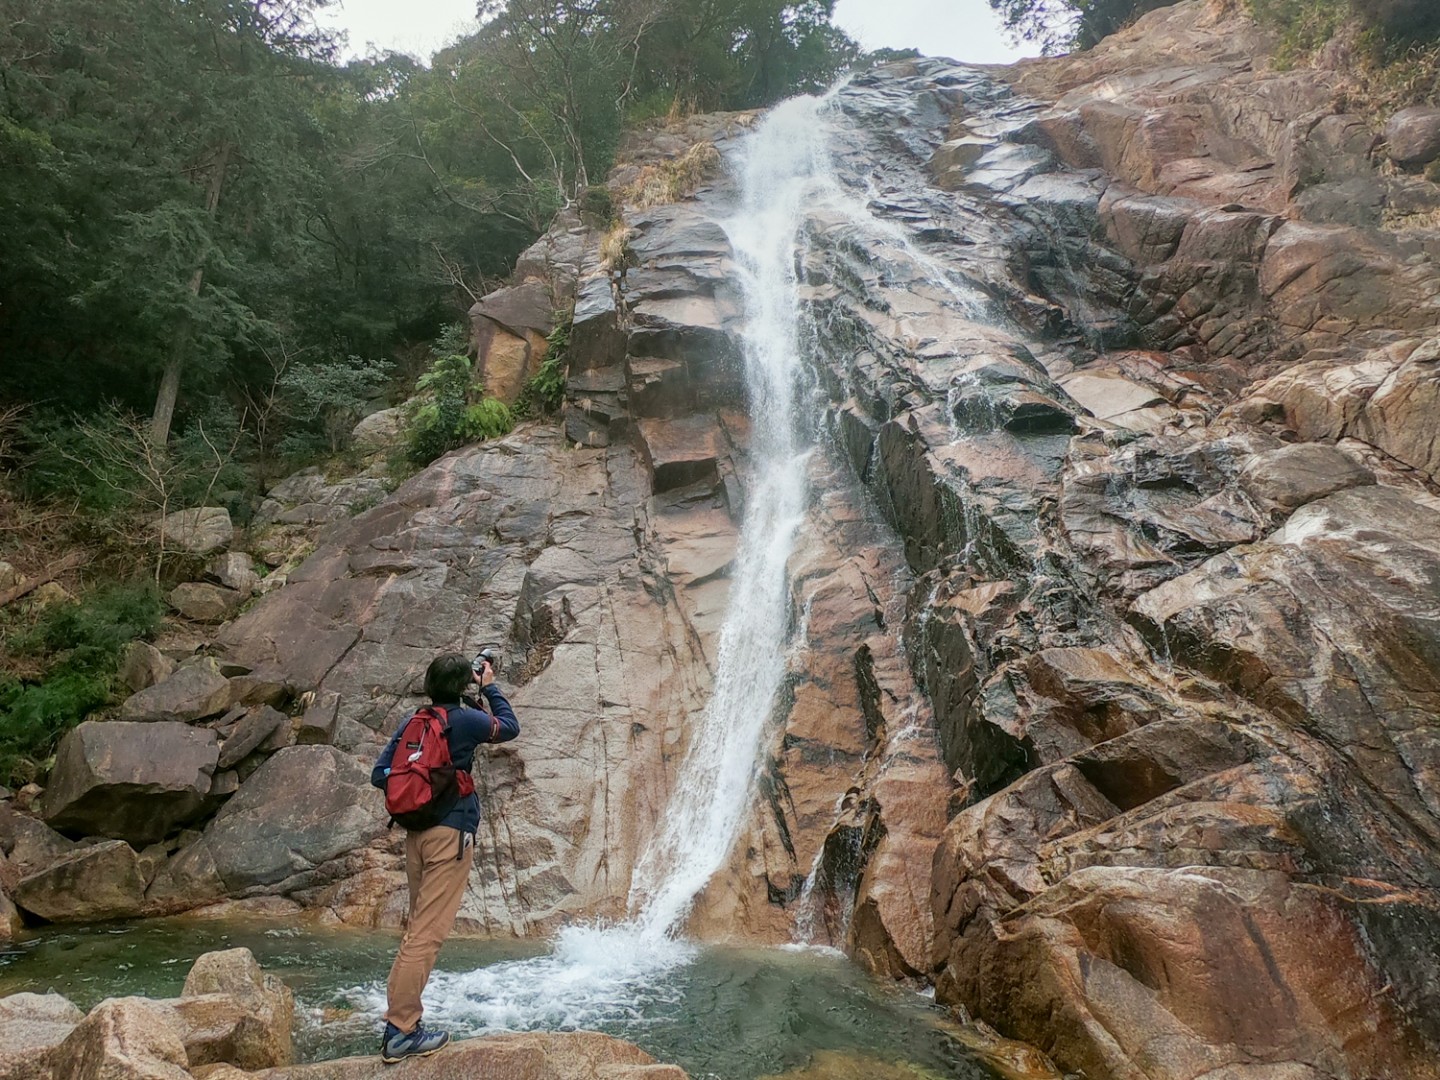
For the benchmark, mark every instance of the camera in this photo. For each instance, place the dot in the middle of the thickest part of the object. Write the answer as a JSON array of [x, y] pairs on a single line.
[[487, 653]]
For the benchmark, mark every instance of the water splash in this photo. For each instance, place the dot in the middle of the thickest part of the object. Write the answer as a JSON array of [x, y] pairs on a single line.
[[594, 976]]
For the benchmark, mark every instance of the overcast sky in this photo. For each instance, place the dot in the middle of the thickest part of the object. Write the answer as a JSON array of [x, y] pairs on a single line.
[[963, 29]]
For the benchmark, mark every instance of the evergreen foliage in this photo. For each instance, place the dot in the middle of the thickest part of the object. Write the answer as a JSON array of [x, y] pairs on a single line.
[[107, 464], [1061, 25], [452, 411], [73, 651], [193, 190], [323, 401]]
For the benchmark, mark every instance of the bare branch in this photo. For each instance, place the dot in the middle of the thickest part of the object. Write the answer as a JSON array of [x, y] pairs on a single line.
[[454, 273]]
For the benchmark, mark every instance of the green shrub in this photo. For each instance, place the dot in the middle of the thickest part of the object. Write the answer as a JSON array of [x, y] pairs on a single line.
[[435, 425], [456, 411], [90, 634], [545, 392], [1058, 26], [597, 203], [323, 401], [488, 418], [61, 461], [34, 717], [108, 463], [1302, 25], [1405, 20], [78, 647]]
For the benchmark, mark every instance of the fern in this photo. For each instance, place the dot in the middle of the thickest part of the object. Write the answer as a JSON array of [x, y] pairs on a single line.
[[545, 392], [486, 419]]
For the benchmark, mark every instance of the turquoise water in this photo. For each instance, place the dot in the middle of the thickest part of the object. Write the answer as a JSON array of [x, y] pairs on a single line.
[[728, 1014]]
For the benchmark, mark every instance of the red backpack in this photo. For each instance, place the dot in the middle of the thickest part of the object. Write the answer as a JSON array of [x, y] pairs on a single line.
[[424, 785]]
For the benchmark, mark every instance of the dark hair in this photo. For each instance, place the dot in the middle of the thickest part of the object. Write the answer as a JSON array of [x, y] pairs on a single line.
[[447, 677]]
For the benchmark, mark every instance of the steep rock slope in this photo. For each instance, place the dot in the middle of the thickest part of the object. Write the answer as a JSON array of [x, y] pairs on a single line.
[[599, 557], [1184, 659]]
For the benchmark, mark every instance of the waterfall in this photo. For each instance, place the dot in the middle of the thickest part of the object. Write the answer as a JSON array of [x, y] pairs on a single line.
[[618, 973], [598, 974], [712, 794]]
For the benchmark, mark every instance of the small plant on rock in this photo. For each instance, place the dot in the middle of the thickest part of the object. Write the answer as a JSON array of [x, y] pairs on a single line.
[[452, 410], [670, 181], [545, 392]]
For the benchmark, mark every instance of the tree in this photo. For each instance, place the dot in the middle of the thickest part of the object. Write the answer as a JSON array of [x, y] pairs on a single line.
[[193, 186], [567, 68], [248, 50], [332, 394], [1060, 25], [161, 163]]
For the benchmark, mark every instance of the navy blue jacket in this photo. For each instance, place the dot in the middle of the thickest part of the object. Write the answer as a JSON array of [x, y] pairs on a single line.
[[468, 729]]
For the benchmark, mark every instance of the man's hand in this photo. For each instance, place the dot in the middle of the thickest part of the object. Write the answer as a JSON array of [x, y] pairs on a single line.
[[486, 676]]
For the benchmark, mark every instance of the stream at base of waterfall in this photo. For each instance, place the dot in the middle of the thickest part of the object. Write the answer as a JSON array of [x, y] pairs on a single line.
[[721, 1014]]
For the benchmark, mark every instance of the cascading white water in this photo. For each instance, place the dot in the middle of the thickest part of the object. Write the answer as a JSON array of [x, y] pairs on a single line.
[[782, 162]]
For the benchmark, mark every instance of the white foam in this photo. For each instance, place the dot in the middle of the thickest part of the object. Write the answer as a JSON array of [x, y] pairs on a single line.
[[594, 976]]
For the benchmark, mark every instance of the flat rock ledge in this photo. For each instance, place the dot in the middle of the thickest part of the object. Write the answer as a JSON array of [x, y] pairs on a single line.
[[233, 1020], [578, 1055]]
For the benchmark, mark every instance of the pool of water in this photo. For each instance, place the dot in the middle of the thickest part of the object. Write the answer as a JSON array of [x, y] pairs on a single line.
[[721, 1013]]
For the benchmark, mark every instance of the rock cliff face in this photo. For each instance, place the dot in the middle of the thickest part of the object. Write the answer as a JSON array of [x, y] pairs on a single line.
[[1115, 667], [1176, 538]]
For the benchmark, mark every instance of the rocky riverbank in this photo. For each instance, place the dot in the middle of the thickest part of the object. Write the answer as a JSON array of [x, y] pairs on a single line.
[[232, 1020]]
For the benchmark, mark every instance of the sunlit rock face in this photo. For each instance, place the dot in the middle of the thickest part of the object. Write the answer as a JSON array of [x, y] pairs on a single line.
[[1113, 662]]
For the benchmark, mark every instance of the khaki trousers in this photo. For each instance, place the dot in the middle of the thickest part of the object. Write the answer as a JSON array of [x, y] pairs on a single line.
[[437, 870]]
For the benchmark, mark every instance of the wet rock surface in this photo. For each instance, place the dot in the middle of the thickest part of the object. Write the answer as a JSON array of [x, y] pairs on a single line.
[[1180, 645]]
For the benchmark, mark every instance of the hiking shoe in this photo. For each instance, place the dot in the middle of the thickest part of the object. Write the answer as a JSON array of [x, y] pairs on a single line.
[[397, 1045]]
